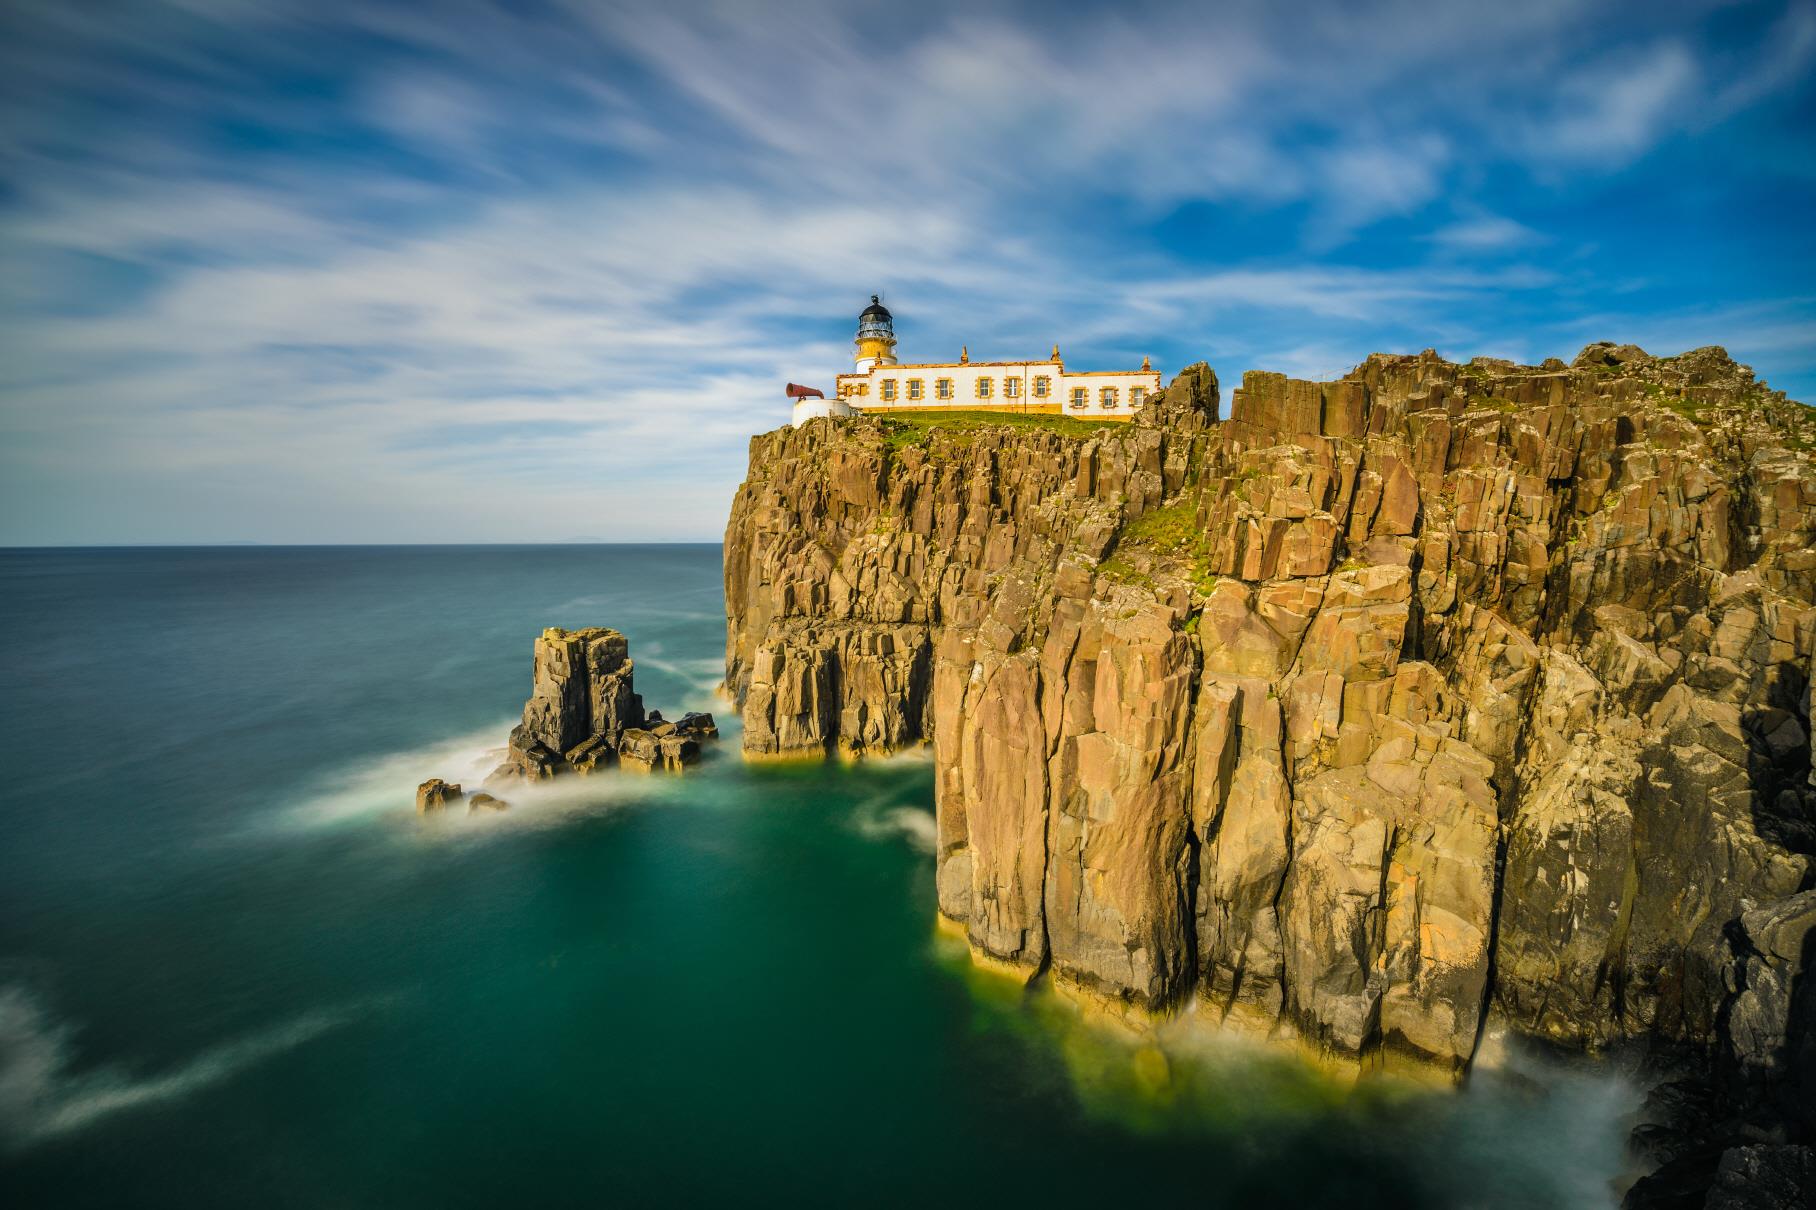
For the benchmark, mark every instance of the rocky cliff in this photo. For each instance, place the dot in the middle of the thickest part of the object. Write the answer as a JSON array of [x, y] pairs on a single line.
[[1388, 709]]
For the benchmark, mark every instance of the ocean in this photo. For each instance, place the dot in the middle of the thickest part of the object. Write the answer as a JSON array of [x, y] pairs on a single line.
[[237, 969]]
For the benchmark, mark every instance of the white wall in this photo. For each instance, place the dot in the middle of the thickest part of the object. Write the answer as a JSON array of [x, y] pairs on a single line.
[[808, 409], [964, 382]]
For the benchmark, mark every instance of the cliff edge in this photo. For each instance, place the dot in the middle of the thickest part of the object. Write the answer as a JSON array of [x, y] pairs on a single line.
[[1389, 709]]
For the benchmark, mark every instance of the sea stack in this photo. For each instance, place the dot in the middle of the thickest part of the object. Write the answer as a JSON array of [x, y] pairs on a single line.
[[584, 713]]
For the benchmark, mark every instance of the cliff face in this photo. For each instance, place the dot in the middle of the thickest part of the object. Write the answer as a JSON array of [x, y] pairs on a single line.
[[1436, 694]]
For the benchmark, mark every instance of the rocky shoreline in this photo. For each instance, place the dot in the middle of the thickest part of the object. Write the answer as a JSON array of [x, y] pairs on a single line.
[[1435, 704]]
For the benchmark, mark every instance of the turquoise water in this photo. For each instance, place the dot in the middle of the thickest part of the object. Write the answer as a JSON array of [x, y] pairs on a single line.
[[237, 969]]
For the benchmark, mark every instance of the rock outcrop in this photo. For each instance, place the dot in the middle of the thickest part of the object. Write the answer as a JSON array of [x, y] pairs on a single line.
[[584, 714], [1436, 699], [437, 795]]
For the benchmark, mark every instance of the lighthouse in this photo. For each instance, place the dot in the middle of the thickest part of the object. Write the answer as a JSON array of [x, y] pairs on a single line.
[[1035, 386], [876, 337]]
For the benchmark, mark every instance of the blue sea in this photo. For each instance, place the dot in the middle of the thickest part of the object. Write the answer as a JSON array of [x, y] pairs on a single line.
[[237, 969]]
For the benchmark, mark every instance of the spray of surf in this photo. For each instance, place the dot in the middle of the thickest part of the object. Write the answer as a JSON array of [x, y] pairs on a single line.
[[43, 1096]]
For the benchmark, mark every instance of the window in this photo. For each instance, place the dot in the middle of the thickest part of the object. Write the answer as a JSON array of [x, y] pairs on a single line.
[[889, 390], [942, 388], [985, 386], [1081, 397], [916, 388], [1107, 397], [863, 388], [1012, 388], [1043, 386], [1137, 396]]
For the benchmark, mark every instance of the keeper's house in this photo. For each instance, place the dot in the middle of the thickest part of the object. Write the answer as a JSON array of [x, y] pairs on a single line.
[[879, 383]]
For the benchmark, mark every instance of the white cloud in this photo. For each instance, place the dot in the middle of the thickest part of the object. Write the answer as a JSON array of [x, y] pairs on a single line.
[[1616, 109], [1484, 232], [1371, 181], [491, 337]]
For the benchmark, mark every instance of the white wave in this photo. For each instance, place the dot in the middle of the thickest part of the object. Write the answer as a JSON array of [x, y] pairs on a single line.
[[384, 787], [42, 1098], [877, 819], [385, 784], [702, 675]]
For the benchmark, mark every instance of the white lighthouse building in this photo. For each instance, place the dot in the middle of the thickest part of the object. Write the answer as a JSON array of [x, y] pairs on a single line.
[[879, 383]]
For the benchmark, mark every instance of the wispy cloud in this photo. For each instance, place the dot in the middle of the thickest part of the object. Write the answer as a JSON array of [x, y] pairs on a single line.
[[1618, 107], [376, 272], [1484, 233]]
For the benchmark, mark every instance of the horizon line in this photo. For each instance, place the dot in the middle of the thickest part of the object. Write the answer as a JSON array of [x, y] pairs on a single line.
[[334, 545]]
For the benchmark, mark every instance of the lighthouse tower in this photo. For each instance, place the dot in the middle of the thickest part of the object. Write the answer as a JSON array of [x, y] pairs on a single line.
[[876, 337]]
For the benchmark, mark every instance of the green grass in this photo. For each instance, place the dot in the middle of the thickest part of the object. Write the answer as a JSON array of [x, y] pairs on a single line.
[[1172, 533], [1169, 530], [912, 427], [1117, 570], [1478, 401], [1690, 411]]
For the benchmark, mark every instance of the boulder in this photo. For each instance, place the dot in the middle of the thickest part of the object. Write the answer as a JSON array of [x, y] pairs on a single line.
[[678, 751], [596, 752], [639, 750], [436, 794], [1764, 1176]]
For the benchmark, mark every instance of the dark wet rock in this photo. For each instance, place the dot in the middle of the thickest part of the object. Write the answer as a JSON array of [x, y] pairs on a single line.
[[1772, 947], [1765, 1177]]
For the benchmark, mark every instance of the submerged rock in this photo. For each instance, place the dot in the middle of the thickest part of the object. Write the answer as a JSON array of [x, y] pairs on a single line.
[[436, 794], [485, 802]]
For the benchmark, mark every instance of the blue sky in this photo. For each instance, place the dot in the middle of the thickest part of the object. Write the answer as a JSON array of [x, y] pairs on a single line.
[[535, 272]]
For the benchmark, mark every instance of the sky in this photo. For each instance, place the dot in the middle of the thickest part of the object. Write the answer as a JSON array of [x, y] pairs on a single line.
[[535, 272]]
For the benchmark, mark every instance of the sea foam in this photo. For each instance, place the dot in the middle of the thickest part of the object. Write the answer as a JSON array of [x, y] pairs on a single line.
[[43, 1096]]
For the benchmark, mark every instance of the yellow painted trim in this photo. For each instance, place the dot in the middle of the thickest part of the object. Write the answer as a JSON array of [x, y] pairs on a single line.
[[1034, 409], [975, 365], [981, 365], [1102, 373]]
